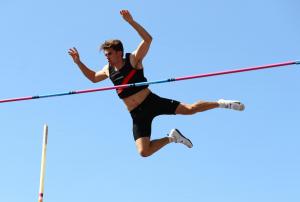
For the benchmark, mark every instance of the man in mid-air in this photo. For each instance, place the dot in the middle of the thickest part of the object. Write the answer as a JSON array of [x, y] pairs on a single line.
[[143, 104]]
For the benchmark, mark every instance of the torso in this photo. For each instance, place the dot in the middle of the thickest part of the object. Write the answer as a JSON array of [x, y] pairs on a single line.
[[136, 99]]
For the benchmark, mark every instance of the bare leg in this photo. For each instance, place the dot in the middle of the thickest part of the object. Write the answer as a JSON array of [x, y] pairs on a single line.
[[146, 147], [199, 106]]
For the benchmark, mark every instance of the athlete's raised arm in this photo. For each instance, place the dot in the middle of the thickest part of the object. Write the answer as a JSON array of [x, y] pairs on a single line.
[[143, 47]]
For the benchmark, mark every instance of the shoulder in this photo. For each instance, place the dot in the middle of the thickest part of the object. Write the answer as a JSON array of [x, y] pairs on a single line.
[[134, 62], [105, 69]]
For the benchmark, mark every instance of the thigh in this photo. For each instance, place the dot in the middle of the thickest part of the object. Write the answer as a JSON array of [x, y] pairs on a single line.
[[164, 105], [141, 128]]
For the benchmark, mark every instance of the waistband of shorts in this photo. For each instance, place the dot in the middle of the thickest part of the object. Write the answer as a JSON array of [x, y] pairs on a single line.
[[143, 103]]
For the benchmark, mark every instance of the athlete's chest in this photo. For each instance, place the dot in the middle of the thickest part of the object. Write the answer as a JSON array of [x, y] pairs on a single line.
[[117, 76]]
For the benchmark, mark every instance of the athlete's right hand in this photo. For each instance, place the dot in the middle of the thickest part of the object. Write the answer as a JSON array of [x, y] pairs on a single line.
[[74, 54]]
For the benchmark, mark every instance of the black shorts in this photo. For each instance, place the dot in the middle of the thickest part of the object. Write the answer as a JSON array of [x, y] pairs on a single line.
[[151, 107]]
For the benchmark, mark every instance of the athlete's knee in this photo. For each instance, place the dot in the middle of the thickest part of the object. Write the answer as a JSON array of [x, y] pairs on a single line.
[[144, 152], [190, 109], [143, 146], [187, 109]]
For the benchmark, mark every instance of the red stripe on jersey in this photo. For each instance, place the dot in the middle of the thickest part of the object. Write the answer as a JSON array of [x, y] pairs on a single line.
[[127, 79]]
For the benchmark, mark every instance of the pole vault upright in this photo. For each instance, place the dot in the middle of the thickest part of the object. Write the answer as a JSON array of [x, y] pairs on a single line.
[[43, 164]]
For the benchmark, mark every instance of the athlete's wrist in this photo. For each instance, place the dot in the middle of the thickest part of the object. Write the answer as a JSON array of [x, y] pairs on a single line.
[[132, 22], [78, 62]]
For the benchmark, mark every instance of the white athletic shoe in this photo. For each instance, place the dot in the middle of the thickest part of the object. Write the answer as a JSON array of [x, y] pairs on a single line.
[[231, 104], [179, 138]]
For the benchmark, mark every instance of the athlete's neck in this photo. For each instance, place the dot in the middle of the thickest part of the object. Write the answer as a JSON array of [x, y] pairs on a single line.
[[118, 65]]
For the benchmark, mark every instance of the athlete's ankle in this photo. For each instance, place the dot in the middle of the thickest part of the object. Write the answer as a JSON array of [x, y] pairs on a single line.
[[221, 105], [171, 139]]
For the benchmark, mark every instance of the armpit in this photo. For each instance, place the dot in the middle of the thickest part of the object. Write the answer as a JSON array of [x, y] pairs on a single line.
[[135, 64]]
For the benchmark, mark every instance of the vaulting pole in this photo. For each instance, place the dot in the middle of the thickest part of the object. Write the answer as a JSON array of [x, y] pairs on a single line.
[[43, 164], [154, 82]]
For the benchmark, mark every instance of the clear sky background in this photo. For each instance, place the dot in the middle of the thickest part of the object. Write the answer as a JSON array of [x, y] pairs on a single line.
[[237, 156]]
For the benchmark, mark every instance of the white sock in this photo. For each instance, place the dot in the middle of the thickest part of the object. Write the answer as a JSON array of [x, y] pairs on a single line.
[[171, 139], [222, 104]]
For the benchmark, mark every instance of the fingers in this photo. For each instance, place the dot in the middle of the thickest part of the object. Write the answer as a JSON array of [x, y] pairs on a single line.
[[73, 51], [125, 14]]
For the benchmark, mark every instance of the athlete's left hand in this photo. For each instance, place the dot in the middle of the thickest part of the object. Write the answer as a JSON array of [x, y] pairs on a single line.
[[126, 15]]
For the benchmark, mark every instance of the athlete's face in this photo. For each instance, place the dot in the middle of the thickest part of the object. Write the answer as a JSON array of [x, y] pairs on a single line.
[[113, 56]]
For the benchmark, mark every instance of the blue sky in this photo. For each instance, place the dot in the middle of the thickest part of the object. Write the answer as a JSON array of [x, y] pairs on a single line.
[[237, 156]]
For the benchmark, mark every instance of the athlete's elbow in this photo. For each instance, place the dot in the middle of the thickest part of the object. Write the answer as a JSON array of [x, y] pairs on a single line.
[[94, 80], [149, 39]]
